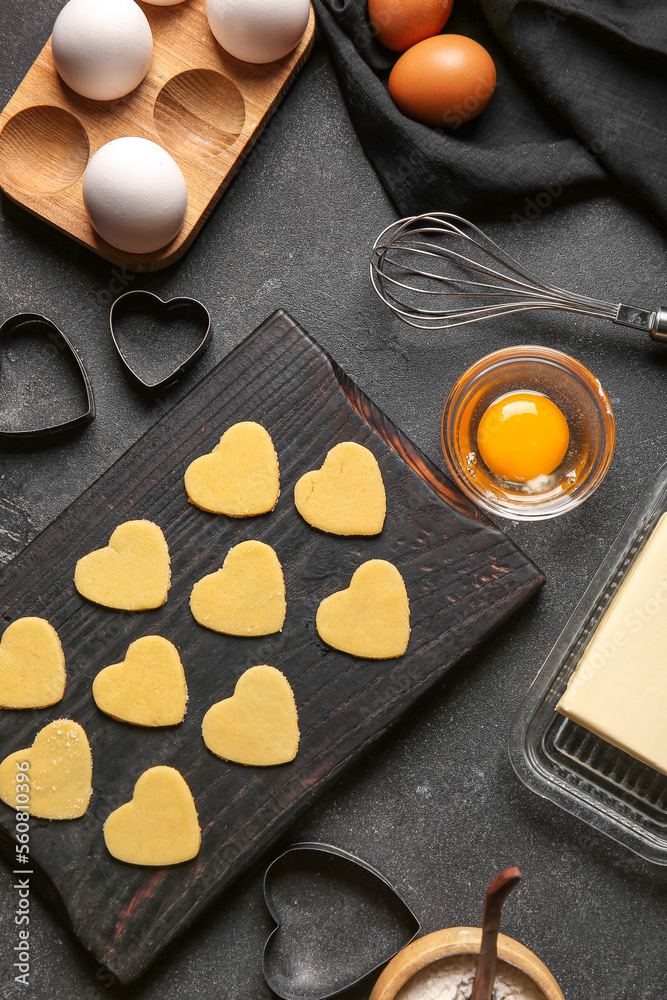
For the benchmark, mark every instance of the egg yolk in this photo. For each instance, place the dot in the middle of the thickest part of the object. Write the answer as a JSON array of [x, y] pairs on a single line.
[[522, 435]]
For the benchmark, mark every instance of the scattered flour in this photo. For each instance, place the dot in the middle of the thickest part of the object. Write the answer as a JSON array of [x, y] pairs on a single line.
[[452, 979]]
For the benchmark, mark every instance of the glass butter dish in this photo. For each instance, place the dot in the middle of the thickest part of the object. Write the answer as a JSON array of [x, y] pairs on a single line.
[[569, 765]]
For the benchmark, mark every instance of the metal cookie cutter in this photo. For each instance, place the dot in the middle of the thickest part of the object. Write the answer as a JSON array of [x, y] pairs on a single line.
[[338, 921], [33, 323], [140, 302]]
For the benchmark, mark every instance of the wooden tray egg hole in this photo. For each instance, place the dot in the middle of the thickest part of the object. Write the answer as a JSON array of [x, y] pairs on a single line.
[[202, 105]]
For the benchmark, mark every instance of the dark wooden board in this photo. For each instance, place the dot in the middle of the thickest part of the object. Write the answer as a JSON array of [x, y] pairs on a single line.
[[463, 576]]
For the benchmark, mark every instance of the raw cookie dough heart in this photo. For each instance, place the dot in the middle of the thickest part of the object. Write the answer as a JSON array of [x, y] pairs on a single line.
[[159, 825], [132, 573], [60, 773], [372, 617], [258, 725], [147, 688], [346, 496], [246, 596], [239, 477], [32, 665]]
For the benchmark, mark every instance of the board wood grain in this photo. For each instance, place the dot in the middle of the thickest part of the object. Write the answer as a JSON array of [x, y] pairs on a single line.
[[205, 107], [463, 577]]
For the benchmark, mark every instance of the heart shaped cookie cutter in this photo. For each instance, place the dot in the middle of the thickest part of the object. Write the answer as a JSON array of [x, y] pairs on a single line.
[[140, 302], [319, 875], [24, 323]]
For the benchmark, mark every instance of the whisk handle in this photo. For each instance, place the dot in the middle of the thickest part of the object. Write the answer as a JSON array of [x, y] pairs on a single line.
[[653, 322], [639, 319], [659, 331]]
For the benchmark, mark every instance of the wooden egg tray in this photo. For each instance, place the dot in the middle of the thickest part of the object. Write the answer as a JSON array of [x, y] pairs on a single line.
[[202, 105]]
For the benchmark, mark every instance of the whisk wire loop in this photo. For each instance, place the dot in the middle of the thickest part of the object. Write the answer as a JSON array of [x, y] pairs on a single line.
[[417, 265]]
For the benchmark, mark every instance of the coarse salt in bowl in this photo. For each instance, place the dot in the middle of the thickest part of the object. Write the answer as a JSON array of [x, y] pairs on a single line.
[[442, 965]]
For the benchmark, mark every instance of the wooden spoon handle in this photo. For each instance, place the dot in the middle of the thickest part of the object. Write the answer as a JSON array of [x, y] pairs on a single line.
[[496, 895]]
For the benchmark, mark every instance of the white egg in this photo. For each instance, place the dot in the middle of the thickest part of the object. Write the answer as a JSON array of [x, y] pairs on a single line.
[[258, 31], [102, 48], [135, 194]]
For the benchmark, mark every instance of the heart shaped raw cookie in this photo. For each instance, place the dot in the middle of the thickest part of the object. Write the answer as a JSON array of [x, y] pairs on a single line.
[[246, 596], [148, 688], [59, 776], [159, 825], [32, 665], [346, 496], [372, 617], [239, 477], [132, 573], [258, 725]]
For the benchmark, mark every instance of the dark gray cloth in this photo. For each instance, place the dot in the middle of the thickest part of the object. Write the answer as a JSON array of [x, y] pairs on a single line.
[[580, 101]]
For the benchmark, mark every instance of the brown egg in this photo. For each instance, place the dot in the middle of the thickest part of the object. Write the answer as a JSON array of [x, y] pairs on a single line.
[[402, 23], [443, 81]]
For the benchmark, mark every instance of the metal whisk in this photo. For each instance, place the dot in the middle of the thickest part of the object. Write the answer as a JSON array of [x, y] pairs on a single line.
[[422, 270]]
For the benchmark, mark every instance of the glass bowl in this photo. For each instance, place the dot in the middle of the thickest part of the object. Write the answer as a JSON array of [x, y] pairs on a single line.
[[453, 942], [581, 399]]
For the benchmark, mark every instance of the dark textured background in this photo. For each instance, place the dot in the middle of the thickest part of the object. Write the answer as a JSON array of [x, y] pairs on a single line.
[[436, 807]]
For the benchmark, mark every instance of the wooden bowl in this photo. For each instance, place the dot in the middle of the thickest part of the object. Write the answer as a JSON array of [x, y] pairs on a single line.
[[460, 941]]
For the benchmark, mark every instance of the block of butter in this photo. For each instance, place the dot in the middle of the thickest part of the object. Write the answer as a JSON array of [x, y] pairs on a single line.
[[619, 688]]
